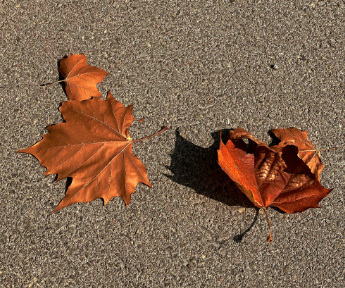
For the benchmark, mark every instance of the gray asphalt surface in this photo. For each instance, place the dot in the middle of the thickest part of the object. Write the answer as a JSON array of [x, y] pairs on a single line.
[[198, 67]]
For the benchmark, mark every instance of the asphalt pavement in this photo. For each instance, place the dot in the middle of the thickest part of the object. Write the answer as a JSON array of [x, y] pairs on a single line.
[[198, 67]]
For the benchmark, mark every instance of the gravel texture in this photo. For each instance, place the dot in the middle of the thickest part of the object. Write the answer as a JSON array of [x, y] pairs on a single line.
[[198, 67]]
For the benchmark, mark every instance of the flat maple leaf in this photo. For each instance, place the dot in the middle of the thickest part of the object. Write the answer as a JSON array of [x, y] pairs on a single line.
[[306, 150], [80, 79], [270, 177], [95, 149]]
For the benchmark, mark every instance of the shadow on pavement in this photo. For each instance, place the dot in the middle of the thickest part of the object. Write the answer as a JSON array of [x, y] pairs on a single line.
[[239, 238], [197, 168]]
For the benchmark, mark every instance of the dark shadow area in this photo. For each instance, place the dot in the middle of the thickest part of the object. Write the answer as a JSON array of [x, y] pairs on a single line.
[[62, 83], [68, 183], [239, 238], [198, 168], [274, 139]]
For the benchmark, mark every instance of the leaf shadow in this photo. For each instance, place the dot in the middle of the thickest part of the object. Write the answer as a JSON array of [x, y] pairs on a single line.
[[238, 238], [197, 168], [68, 183], [274, 139], [62, 83]]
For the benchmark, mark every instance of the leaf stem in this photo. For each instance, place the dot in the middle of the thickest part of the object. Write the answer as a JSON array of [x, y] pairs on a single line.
[[147, 137], [52, 83], [269, 238]]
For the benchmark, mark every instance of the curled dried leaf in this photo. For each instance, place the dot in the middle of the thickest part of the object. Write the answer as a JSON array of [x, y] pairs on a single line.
[[270, 177]]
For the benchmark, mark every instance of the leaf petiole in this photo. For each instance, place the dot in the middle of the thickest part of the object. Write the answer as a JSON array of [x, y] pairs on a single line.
[[147, 137], [52, 83]]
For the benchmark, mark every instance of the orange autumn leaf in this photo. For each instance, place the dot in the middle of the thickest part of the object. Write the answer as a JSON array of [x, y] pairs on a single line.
[[270, 177], [80, 79], [93, 147]]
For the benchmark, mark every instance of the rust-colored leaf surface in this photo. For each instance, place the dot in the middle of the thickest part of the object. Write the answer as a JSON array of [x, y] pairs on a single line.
[[95, 149], [270, 177], [306, 150], [80, 79]]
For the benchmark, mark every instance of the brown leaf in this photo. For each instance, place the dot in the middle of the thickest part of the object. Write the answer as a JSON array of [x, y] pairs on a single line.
[[306, 150], [269, 177], [80, 79], [95, 149]]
